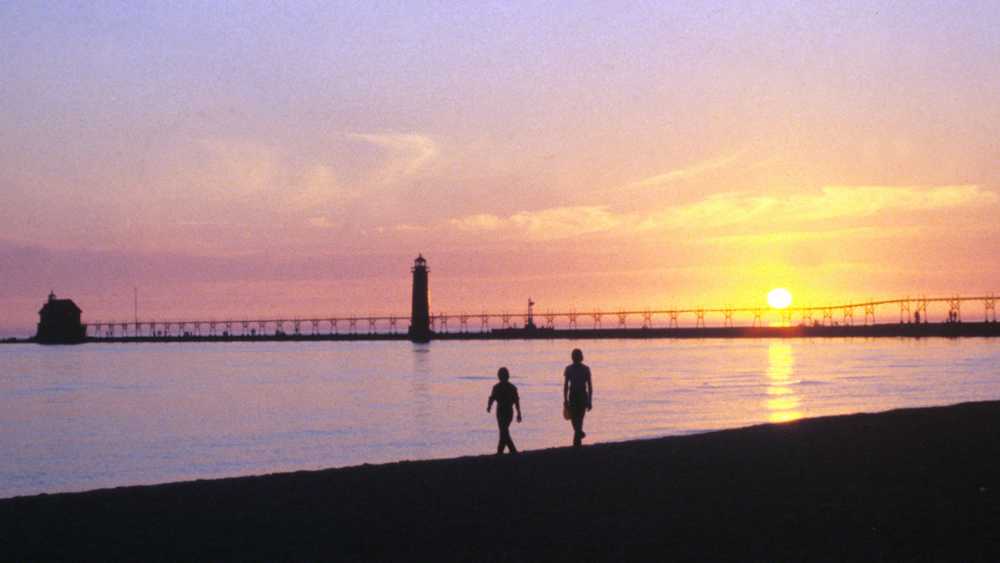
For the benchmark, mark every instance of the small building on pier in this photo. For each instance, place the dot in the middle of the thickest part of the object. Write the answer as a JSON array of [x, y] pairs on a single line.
[[59, 322]]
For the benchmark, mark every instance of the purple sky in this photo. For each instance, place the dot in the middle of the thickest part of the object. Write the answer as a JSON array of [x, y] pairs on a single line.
[[254, 157]]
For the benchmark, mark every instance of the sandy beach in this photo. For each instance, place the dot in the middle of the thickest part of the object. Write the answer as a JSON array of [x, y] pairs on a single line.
[[914, 484]]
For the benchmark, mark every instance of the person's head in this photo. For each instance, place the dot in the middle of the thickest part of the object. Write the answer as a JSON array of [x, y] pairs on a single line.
[[577, 355], [503, 374]]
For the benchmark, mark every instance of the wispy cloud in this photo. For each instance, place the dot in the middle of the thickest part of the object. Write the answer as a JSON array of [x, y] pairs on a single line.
[[236, 166], [757, 239], [409, 153], [686, 173], [743, 213], [321, 222], [407, 228], [316, 186], [265, 174], [545, 224], [670, 178], [832, 202], [478, 222]]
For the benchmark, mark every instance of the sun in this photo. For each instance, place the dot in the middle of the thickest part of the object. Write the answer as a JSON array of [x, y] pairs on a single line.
[[779, 298]]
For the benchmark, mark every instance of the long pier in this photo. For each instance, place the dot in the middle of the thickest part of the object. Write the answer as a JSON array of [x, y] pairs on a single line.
[[923, 330], [924, 316]]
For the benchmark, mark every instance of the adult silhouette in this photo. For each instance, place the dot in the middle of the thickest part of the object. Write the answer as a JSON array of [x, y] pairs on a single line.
[[578, 393], [505, 395]]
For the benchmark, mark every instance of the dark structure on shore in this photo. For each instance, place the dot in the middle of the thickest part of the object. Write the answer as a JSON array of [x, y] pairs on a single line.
[[420, 315], [59, 322]]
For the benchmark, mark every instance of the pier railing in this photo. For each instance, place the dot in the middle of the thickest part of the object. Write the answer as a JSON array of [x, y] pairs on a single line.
[[904, 311]]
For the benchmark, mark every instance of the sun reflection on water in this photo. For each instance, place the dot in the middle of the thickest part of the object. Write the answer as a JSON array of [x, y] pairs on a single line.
[[782, 403]]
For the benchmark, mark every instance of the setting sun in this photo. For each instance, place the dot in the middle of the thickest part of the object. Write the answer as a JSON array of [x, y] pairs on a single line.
[[779, 298]]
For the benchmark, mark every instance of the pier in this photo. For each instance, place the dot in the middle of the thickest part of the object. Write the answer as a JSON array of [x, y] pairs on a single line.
[[936, 316], [948, 316]]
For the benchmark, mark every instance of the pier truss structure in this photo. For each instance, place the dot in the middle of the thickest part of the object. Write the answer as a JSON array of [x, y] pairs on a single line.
[[921, 310]]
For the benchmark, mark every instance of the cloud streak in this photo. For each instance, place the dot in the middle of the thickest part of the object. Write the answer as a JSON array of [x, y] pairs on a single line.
[[546, 224], [258, 173], [832, 202], [738, 211], [757, 239], [409, 153], [686, 173]]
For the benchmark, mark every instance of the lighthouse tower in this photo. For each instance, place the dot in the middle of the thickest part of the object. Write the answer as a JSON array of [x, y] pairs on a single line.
[[420, 314]]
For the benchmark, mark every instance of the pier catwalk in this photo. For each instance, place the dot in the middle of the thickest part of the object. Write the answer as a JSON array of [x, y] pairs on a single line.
[[948, 330], [907, 485]]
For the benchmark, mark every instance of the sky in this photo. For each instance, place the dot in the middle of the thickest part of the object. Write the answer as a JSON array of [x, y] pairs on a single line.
[[255, 159]]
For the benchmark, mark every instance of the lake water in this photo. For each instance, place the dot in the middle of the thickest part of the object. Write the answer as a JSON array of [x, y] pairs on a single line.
[[101, 415]]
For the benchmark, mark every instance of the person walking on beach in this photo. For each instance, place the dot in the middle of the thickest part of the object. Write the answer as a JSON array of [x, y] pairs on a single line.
[[578, 393], [505, 395]]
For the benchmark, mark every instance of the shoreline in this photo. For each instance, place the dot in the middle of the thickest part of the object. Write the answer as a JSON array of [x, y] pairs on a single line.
[[909, 484]]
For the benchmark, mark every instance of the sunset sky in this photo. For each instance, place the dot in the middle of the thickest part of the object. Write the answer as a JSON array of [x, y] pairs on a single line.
[[258, 159]]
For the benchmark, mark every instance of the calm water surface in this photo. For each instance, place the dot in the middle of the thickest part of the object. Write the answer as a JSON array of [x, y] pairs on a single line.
[[83, 417]]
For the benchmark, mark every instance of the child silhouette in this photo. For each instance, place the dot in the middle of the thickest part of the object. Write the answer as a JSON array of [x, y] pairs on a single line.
[[505, 395]]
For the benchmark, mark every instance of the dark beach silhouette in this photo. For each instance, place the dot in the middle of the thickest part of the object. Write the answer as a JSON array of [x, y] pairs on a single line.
[[908, 485], [506, 398]]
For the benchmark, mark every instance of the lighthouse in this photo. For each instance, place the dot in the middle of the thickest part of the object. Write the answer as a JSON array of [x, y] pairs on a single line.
[[420, 313]]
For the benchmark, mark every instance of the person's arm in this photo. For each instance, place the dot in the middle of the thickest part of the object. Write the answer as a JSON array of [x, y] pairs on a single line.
[[517, 404], [590, 391], [489, 404], [566, 386]]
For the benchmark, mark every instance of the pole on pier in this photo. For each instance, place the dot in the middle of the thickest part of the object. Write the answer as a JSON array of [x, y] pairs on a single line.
[[870, 313], [848, 316], [955, 310], [135, 309]]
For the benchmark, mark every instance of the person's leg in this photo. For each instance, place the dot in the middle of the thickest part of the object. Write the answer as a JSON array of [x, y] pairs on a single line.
[[505, 436], [506, 432], [510, 441], [501, 442], [503, 421], [577, 417]]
